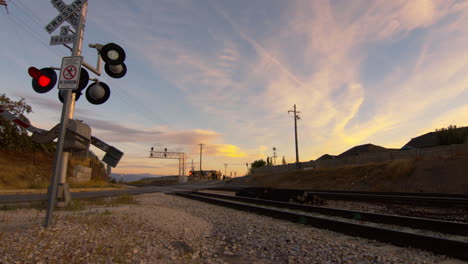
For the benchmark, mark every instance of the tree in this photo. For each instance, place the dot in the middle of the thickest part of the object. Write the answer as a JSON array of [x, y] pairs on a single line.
[[452, 135], [13, 137], [284, 161], [258, 163]]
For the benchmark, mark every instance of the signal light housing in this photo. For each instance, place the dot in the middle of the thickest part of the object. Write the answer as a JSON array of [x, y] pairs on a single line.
[[43, 80], [98, 93], [114, 56], [84, 79], [116, 71]]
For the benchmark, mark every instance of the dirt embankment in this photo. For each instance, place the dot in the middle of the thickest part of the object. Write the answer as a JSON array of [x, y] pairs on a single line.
[[24, 170], [444, 175]]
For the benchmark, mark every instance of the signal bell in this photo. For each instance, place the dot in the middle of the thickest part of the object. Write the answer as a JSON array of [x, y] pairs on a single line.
[[98, 93], [114, 56], [43, 80]]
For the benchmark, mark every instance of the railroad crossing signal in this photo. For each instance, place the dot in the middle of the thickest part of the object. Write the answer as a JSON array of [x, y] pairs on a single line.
[[171, 155], [114, 56], [74, 79], [43, 80]]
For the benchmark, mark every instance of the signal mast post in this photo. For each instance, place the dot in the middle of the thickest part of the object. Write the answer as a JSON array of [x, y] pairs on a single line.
[[73, 80], [61, 158], [64, 191]]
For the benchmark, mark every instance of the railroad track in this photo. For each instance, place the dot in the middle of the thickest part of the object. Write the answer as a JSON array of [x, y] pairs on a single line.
[[446, 237], [23, 198], [432, 199]]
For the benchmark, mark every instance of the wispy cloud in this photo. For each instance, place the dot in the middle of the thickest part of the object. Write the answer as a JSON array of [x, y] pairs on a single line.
[[358, 71]]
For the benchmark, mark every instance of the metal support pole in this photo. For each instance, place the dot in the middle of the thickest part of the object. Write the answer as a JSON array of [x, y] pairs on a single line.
[[295, 135], [109, 172], [201, 171], [274, 156], [296, 117], [52, 191], [61, 158]]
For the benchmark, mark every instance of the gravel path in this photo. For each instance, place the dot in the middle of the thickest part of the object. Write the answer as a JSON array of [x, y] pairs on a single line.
[[168, 229]]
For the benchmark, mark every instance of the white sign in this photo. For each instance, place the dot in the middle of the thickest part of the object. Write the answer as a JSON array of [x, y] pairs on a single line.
[[67, 13], [70, 73], [57, 40], [64, 37]]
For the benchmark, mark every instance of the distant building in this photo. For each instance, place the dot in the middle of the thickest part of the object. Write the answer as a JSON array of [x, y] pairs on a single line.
[[205, 175]]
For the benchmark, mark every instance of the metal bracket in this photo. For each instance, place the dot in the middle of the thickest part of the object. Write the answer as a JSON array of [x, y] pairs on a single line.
[[98, 69]]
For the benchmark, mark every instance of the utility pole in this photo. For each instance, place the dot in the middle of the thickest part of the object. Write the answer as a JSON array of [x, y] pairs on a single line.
[[201, 150], [296, 117], [274, 156], [225, 169]]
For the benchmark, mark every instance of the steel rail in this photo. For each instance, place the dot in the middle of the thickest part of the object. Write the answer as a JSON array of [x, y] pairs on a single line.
[[432, 199], [449, 247], [448, 227], [262, 189]]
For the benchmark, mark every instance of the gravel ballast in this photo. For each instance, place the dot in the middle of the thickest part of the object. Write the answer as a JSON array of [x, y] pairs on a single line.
[[164, 228]]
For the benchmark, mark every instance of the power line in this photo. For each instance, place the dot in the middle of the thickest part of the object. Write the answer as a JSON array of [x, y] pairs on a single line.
[[31, 15], [23, 25]]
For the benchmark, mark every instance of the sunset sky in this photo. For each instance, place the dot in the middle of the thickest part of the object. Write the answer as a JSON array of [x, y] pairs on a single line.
[[225, 73]]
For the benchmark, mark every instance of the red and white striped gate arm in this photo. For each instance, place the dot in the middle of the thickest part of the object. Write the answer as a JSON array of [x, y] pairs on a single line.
[[6, 114]]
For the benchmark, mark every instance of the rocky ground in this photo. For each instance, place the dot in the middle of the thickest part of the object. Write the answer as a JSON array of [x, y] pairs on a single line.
[[168, 229]]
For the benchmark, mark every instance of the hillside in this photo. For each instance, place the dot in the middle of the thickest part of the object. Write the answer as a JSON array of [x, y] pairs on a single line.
[[442, 175]]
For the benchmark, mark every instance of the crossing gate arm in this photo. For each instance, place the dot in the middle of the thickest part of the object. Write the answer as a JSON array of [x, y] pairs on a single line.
[[113, 155], [6, 114]]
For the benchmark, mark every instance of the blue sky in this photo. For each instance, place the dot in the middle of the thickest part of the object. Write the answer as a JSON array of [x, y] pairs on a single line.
[[225, 73]]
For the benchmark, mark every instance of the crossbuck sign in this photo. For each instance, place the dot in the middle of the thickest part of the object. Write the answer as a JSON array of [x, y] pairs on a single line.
[[67, 13]]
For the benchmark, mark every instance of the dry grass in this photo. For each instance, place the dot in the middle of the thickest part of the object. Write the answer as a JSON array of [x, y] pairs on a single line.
[[94, 184], [75, 205], [157, 181], [25, 170], [33, 170], [368, 177]]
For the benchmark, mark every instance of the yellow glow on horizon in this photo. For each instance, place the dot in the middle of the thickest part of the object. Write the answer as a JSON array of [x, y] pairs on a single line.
[[230, 151]]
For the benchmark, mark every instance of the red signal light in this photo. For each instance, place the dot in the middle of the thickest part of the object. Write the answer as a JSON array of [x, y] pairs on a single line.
[[43, 80]]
